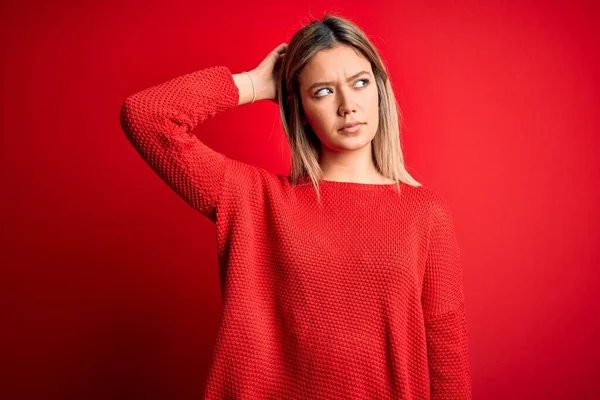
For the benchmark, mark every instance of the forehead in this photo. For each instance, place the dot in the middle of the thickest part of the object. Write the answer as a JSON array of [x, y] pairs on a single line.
[[332, 64]]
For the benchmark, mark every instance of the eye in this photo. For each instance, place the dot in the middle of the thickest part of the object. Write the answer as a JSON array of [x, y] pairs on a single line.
[[366, 81], [318, 91]]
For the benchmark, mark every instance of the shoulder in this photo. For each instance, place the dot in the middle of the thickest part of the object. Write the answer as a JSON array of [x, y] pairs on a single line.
[[248, 180], [428, 201]]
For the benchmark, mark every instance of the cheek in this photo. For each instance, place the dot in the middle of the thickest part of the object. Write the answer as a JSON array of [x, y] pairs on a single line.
[[317, 117], [373, 99], [374, 107]]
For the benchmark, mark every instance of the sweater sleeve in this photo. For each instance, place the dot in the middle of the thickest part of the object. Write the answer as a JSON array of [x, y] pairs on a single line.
[[159, 121], [444, 310]]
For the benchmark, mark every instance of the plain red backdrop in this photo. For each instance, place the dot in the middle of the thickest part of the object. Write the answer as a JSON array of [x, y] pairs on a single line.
[[109, 284]]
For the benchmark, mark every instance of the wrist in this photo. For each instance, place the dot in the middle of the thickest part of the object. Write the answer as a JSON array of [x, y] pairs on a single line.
[[255, 79], [246, 91]]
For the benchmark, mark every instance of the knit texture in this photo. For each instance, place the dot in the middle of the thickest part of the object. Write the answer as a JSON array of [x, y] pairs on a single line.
[[358, 297]]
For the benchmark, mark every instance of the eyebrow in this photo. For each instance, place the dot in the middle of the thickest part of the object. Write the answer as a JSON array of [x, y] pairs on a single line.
[[314, 85]]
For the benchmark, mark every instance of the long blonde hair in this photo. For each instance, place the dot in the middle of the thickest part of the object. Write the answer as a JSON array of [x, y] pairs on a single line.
[[386, 145]]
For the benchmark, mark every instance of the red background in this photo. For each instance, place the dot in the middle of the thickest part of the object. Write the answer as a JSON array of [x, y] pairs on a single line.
[[109, 284]]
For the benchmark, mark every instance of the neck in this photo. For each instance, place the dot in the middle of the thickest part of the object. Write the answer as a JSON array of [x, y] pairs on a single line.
[[350, 166]]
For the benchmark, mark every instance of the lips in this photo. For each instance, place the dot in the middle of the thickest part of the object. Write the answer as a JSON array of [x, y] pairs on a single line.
[[351, 128], [350, 125]]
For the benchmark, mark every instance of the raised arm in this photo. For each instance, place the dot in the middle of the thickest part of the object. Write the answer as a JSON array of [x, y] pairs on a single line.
[[444, 310], [158, 122]]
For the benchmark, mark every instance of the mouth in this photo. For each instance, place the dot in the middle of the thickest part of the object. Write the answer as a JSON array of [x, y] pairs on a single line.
[[352, 128]]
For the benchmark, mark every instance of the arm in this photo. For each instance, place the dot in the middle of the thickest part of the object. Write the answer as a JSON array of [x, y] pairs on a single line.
[[444, 310], [159, 121]]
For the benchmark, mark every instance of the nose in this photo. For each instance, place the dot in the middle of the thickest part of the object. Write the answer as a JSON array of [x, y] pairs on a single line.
[[347, 102]]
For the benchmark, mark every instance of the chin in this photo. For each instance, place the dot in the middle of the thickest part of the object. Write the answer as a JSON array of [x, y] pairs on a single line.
[[350, 143]]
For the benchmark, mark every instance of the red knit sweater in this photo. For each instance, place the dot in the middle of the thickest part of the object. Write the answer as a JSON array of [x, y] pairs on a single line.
[[359, 297]]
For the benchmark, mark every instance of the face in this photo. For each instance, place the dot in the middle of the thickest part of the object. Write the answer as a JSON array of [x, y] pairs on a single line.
[[348, 95]]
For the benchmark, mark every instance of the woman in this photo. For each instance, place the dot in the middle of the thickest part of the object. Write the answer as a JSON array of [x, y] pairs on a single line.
[[341, 280]]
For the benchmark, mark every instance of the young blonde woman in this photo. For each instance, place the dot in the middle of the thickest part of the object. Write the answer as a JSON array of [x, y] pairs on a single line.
[[342, 280]]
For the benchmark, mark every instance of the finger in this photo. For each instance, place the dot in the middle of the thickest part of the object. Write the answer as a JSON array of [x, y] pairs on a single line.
[[281, 48]]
